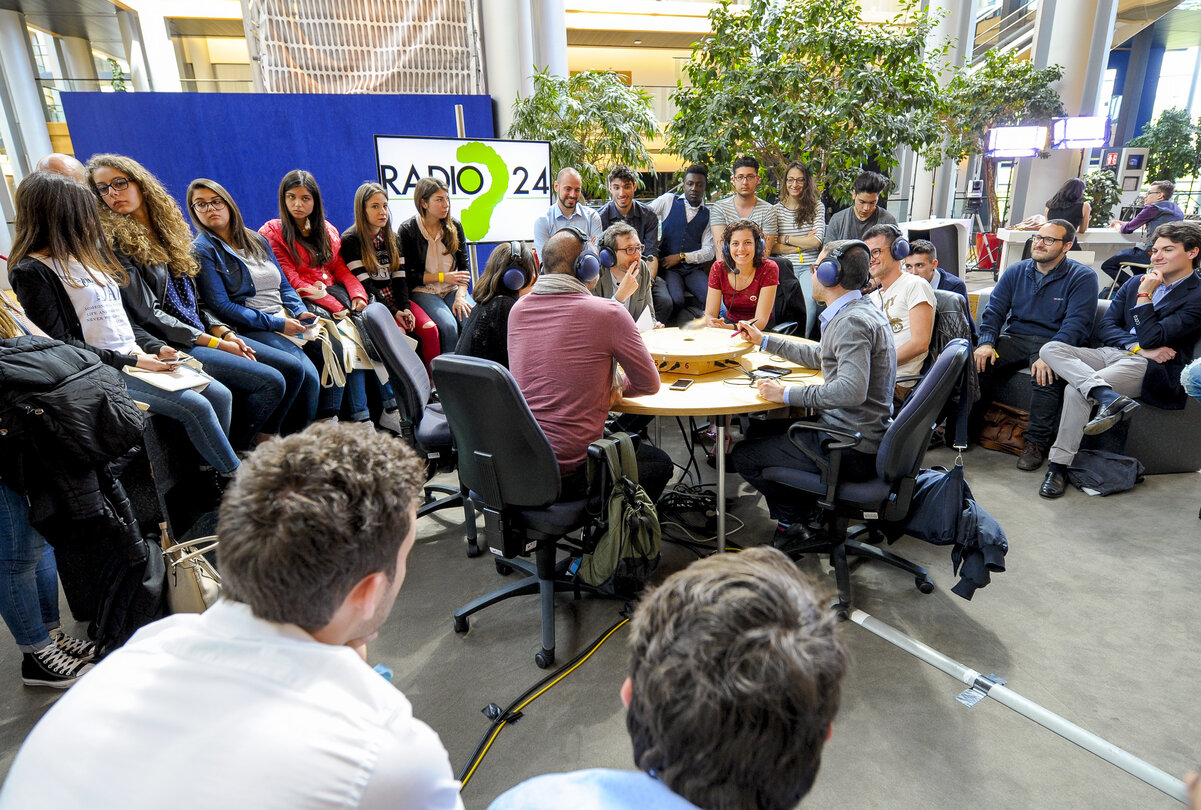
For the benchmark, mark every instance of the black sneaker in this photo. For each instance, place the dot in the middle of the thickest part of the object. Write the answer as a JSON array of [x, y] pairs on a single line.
[[77, 647], [52, 667]]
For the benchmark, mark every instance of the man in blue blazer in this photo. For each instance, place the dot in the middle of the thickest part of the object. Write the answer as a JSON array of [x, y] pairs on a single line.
[[1147, 338], [923, 261]]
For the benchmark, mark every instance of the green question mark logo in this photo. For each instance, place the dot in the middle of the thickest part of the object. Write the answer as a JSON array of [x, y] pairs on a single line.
[[477, 217]]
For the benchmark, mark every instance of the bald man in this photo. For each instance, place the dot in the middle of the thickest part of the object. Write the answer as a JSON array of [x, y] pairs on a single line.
[[568, 212], [66, 165]]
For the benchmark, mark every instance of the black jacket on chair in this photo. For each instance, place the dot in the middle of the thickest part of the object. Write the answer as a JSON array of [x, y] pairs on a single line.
[[143, 298], [414, 245]]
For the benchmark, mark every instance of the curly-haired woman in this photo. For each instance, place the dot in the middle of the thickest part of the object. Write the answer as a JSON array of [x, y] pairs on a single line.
[[154, 245]]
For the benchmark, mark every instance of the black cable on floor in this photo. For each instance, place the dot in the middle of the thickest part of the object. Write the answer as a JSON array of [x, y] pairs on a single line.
[[501, 717]]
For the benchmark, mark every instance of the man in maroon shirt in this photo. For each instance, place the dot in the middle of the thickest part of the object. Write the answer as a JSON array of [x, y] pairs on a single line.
[[564, 348]]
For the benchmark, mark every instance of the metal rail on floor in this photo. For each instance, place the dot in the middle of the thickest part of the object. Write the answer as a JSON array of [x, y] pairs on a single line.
[[1156, 778]]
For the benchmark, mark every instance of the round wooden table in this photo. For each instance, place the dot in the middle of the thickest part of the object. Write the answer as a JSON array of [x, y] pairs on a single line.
[[719, 393], [694, 351]]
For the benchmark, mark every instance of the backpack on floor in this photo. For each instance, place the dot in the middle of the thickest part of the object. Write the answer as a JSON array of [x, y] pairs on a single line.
[[622, 544]]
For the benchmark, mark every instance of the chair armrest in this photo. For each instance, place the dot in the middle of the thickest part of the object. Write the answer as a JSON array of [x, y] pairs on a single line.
[[786, 328], [908, 378], [829, 467]]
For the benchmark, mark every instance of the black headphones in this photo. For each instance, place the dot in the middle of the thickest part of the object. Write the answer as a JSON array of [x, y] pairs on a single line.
[[829, 271], [760, 244], [899, 248], [515, 276], [587, 265]]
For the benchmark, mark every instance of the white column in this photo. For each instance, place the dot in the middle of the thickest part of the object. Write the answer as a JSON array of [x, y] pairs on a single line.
[[8, 214], [508, 56], [24, 122], [550, 30], [160, 52], [1076, 34], [131, 36], [197, 51], [78, 62], [934, 190]]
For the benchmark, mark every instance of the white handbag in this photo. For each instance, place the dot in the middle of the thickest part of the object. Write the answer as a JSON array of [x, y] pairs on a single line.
[[193, 584]]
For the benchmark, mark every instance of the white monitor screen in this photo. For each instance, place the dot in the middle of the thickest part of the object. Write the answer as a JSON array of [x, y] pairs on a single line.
[[1013, 142], [1082, 132]]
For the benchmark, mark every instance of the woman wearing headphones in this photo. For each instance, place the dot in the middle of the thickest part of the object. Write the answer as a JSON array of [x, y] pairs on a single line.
[[509, 274], [380, 269], [742, 281]]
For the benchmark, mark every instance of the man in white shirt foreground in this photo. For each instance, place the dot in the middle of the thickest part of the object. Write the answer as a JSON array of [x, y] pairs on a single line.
[[735, 672], [265, 700]]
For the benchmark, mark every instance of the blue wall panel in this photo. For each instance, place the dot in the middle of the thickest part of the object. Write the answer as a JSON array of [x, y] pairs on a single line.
[[249, 141]]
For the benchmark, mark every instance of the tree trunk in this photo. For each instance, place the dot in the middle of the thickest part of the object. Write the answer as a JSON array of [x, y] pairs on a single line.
[[990, 191]]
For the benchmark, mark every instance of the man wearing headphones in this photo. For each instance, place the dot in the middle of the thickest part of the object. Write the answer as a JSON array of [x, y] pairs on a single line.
[[858, 364], [564, 347], [626, 277], [905, 299]]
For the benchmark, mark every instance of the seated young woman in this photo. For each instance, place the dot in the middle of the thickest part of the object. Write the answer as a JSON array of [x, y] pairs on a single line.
[[435, 258], [68, 280], [509, 274], [742, 281], [240, 281], [380, 268], [306, 247], [154, 245]]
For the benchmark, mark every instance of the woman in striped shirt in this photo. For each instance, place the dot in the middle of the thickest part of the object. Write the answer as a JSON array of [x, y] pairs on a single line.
[[800, 227]]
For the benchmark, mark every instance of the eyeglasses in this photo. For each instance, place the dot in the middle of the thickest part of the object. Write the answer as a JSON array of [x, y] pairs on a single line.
[[120, 184], [744, 178], [876, 252], [633, 250], [1046, 240], [206, 205]]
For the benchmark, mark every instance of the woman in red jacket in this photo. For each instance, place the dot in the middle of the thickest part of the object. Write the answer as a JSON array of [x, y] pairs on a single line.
[[306, 247]]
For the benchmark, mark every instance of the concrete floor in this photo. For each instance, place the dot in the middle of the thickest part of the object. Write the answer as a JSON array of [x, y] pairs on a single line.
[[1095, 619]]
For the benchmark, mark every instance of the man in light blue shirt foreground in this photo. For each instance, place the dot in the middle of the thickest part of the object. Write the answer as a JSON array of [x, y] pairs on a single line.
[[735, 672]]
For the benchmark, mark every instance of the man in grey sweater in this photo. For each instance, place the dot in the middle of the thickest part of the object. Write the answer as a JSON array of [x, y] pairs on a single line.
[[858, 364]]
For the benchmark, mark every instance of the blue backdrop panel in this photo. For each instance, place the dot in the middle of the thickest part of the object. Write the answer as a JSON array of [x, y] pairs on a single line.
[[249, 141]]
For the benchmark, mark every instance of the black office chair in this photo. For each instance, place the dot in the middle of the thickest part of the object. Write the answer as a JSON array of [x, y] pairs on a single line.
[[888, 496], [423, 425], [507, 464]]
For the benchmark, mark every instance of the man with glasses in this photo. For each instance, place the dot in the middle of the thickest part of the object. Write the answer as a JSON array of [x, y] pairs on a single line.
[[629, 280], [1158, 208], [567, 212], [622, 207], [1147, 336], [1046, 297], [865, 211], [744, 204], [906, 300]]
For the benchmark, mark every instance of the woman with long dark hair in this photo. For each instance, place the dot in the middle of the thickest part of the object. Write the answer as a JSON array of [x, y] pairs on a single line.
[[243, 285], [154, 245], [69, 281], [306, 248], [800, 228], [435, 258], [509, 274], [1068, 204]]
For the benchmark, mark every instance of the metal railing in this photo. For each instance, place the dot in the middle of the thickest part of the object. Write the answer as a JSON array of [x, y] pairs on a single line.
[[996, 31], [217, 85]]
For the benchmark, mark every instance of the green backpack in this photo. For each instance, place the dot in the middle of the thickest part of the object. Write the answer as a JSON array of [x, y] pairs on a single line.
[[622, 544]]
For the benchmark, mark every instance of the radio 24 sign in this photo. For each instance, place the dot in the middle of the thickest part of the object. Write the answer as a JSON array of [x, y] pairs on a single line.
[[497, 188]]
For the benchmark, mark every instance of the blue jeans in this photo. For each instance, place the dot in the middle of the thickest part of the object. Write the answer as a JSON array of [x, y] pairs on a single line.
[[205, 416], [686, 277], [303, 408], [438, 307], [260, 389], [1190, 378], [28, 577]]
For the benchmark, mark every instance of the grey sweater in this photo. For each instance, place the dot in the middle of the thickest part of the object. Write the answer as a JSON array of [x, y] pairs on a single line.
[[859, 367]]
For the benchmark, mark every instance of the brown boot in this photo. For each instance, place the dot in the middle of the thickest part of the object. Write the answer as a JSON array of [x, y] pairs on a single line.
[[1033, 457]]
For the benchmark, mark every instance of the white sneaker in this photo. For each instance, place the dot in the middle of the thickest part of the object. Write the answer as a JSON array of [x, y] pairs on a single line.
[[390, 421], [79, 648]]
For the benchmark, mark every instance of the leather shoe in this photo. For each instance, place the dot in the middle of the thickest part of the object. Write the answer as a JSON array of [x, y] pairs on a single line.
[[796, 539], [1033, 456], [1109, 415], [1054, 485]]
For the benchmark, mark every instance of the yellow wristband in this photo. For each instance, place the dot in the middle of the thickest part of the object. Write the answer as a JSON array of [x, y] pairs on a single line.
[[441, 277], [1136, 349], [213, 342]]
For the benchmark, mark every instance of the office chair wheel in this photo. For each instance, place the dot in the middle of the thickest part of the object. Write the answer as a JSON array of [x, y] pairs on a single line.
[[462, 624], [924, 584], [544, 658], [473, 549], [503, 569]]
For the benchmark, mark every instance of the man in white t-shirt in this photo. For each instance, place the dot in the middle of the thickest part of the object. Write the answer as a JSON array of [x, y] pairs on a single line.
[[907, 300], [266, 699]]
